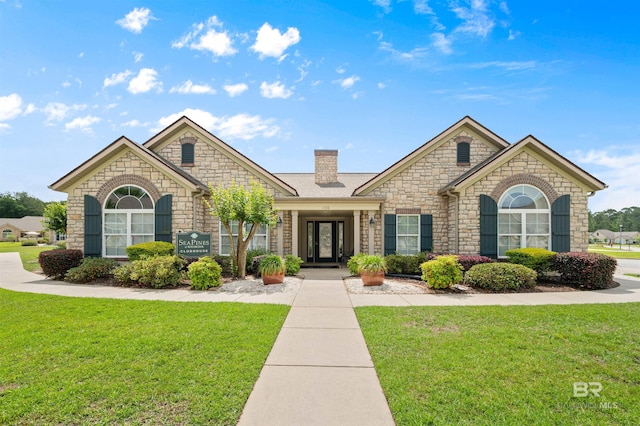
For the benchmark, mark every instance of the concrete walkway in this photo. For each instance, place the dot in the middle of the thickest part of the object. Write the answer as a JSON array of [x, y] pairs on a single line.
[[319, 371]]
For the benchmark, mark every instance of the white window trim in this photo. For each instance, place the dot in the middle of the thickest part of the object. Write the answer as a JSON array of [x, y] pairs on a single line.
[[223, 233], [398, 234], [129, 234]]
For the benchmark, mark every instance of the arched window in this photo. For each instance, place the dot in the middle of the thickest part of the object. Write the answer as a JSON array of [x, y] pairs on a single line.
[[6, 233], [523, 219], [128, 219]]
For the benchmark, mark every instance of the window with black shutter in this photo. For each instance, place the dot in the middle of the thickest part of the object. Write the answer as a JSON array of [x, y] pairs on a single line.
[[188, 154], [464, 154]]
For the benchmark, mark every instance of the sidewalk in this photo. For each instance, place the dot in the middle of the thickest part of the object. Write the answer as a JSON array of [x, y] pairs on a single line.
[[319, 371]]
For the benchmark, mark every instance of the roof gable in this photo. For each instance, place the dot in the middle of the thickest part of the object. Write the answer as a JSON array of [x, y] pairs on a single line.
[[539, 150], [168, 134], [466, 122]]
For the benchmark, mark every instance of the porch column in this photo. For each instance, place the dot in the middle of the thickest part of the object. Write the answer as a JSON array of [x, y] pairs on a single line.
[[372, 230], [294, 232], [280, 226], [356, 232]]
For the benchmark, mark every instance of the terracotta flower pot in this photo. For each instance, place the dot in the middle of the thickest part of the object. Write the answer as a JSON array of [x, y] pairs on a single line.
[[376, 278], [273, 279]]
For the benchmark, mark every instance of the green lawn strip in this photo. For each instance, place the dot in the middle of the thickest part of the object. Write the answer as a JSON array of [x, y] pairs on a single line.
[[507, 364], [615, 252], [103, 361], [28, 254]]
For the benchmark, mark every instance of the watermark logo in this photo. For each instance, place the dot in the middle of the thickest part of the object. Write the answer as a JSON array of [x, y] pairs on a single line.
[[584, 389]]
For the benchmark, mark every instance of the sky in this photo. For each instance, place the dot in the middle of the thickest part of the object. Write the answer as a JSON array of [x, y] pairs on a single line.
[[277, 79]]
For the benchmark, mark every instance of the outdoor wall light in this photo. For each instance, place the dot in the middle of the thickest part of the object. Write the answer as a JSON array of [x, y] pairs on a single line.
[[372, 221], [279, 220]]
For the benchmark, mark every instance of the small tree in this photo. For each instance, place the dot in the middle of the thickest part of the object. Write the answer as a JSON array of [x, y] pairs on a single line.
[[55, 217], [252, 207]]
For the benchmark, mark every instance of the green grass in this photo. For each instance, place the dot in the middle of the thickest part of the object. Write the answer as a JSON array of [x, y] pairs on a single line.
[[29, 255], [614, 251], [103, 361], [633, 275], [507, 364]]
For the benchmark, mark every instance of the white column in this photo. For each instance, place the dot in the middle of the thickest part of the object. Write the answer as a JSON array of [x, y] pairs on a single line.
[[372, 229], [280, 226], [294, 232], [356, 232]]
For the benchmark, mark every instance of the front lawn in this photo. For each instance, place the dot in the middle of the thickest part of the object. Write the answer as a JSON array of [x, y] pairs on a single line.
[[507, 364], [28, 254], [614, 251], [103, 361]]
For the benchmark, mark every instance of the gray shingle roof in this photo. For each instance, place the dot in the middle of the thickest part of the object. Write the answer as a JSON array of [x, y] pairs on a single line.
[[306, 186], [25, 224]]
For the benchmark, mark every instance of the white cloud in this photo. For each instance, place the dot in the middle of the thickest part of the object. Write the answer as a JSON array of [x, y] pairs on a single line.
[[145, 81], [81, 55], [384, 4], [57, 111], [347, 83], [442, 43], [514, 34], [82, 123], [381, 85], [136, 20], [477, 20], [235, 89], [135, 123], [357, 95], [413, 54], [270, 42], [29, 109], [118, 78], [10, 106], [341, 70], [189, 88], [240, 126], [612, 166], [271, 149], [66, 84], [508, 66], [275, 90], [137, 56], [205, 37], [421, 7]]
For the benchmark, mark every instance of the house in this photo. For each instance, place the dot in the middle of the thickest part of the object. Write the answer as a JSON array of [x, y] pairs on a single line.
[[26, 227], [614, 237], [466, 190]]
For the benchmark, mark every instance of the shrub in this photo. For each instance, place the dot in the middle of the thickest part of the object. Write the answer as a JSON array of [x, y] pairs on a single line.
[[225, 263], [292, 264], [150, 249], [255, 265], [500, 276], [590, 270], [538, 259], [406, 264], [442, 272], [56, 263], [205, 273], [157, 271], [91, 269], [252, 267], [352, 263], [9, 238], [61, 245], [30, 242], [123, 273], [43, 241], [468, 261]]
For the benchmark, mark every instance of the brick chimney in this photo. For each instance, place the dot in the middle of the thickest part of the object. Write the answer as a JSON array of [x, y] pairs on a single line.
[[326, 166]]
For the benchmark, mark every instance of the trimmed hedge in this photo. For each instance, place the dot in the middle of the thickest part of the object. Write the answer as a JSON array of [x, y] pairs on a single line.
[[91, 269], [442, 272], [500, 276], [150, 249], [588, 270], [538, 259], [56, 263], [156, 271], [29, 243], [407, 264]]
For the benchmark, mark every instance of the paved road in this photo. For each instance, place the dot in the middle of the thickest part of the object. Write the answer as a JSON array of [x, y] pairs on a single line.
[[628, 266]]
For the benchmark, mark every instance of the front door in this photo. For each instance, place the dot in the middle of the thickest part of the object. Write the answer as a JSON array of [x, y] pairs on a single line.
[[325, 242]]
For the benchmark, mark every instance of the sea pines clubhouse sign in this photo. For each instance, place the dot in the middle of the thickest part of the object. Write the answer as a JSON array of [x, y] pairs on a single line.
[[193, 244]]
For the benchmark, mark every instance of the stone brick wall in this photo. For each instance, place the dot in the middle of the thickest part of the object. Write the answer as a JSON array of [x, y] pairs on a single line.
[[522, 169], [416, 187], [326, 166], [128, 169]]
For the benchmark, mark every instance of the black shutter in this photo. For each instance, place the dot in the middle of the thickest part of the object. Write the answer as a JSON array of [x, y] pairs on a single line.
[[92, 227], [426, 232], [488, 227], [188, 153], [389, 234], [464, 152], [163, 219], [561, 224]]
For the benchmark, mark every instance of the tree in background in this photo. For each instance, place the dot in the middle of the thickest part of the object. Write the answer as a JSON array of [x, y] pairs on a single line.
[[238, 205], [20, 204], [611, 219], [55, 217]]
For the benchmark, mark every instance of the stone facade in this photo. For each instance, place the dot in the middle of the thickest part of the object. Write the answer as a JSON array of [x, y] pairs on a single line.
[[326, 166]]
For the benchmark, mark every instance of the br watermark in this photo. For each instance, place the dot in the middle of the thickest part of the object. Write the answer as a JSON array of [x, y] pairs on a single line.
[[584, 389], [588, 392]]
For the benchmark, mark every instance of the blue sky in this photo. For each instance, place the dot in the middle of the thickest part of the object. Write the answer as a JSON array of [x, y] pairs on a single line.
[[278, 79]]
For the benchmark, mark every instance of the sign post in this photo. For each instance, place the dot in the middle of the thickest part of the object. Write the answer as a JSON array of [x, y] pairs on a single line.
[[193, 244]]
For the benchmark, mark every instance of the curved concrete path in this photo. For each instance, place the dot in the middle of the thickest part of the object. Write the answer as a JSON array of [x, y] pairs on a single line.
[[319, 371]]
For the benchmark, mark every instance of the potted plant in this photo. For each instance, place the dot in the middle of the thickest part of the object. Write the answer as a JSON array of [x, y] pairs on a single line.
[[371, 269], [272, 269]]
